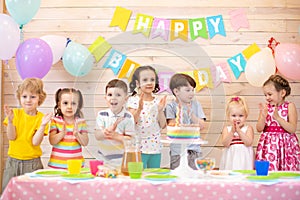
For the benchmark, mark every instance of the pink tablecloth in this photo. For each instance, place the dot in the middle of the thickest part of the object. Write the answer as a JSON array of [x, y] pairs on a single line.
[[24, 187]]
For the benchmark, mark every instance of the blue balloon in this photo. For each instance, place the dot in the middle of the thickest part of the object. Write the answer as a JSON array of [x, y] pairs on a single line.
[[77, 59], [22, 11]]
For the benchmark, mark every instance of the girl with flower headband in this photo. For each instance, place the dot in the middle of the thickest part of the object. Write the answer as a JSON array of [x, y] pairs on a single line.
[[68, 129], [237, 137]]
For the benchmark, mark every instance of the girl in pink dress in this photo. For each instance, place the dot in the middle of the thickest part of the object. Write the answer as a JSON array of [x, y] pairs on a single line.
[[277, 121]]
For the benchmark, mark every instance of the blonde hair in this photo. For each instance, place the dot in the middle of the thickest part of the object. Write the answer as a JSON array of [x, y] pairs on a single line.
[[236, 101], [33, 85]]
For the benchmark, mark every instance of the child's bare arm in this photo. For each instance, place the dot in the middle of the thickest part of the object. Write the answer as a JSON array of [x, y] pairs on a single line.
[[227, 136], [39, 134]]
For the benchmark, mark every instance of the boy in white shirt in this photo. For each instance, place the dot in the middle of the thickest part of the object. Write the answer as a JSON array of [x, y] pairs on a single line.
[[114, 123]]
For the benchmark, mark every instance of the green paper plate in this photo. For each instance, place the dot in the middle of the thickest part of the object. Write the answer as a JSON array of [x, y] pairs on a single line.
[[245, 171], [77, 176], [85, 170], [160, 177], [283, 174], [261, 178], [157, 170], [51, 173]]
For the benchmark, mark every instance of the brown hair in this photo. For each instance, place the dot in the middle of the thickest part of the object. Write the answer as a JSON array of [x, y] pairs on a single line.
[[279, 83], [59, 93], [33, 85], [117, 83], [236, 102], [136, 77], [179, 80]]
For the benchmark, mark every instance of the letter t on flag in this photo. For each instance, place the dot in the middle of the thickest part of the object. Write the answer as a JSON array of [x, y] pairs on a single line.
[[121, 18]]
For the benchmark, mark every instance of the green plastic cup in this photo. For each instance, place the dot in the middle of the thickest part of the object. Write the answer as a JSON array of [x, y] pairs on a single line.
[[135, 169]]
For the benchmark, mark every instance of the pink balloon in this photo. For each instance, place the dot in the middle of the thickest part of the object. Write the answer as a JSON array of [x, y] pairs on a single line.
[[33, 58], [287, 58]]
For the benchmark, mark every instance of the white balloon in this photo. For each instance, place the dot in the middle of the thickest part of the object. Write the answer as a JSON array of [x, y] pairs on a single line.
[[260, 67], [9, 36], [57, 44]]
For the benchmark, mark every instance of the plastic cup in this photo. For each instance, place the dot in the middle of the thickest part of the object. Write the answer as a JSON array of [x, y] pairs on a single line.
[[262, 167], [94, 166], [74, 166], [135, 169]]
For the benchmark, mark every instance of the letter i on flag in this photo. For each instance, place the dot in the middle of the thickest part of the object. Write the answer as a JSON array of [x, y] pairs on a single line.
[[115, 61], [121, 18], [128, 68]]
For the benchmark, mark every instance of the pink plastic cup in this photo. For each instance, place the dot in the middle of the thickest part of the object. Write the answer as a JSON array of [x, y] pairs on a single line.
[[94, 166]]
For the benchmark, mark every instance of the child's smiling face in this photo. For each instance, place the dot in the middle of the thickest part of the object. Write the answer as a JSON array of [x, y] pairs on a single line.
[[146, 81], [115, 99]]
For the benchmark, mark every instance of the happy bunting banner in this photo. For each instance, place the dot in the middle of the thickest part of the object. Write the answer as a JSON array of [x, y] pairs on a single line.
[[153, 27]]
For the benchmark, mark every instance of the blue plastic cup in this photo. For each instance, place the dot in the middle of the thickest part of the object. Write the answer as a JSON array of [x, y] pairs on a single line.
[[262, 167]]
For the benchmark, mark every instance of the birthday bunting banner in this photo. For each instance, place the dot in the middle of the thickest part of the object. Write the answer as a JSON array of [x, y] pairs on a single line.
[[171, 29]]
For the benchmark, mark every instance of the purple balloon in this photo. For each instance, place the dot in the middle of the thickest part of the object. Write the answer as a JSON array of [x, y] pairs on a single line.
[[33, 58]]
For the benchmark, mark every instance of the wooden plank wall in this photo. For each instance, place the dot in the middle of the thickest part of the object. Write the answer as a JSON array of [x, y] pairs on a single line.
[[84, 20]]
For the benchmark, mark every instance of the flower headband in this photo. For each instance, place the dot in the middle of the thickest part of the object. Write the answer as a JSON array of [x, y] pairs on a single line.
[[235, 98]]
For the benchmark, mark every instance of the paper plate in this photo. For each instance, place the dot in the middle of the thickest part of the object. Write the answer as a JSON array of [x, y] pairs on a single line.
[[245, 171], [85, 170], [160, 177], [261, 178], [284, 174], [157, 170], [77, 176], [51, 172]]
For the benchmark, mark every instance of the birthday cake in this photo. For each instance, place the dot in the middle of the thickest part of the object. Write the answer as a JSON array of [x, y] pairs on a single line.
[[183, 132]]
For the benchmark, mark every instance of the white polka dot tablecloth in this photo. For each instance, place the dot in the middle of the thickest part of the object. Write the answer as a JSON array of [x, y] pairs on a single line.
[[23, 188]]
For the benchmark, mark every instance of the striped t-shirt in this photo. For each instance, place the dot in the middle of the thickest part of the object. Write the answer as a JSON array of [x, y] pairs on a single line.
[[68, 147]]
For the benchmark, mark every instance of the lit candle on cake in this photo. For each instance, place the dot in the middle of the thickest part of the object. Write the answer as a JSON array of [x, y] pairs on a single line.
[[178, 115]]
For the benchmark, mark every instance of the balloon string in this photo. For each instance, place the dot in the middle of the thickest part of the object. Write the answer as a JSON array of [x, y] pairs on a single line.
[[21, 34], [10, 77], [271, 45]]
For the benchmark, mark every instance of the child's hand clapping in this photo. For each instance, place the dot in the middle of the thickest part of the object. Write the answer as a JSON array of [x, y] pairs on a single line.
[[46, 119], [9, 113], [162, 103], [263, 109]]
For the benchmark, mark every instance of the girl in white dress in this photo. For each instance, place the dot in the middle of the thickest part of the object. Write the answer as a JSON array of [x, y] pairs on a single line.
[[237, 138]]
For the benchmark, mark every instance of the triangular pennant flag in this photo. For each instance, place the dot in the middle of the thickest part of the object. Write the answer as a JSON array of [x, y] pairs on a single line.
[[160, 28], [203, 78], [164, 80], [179, 29], [220, 73], [215, 25], [121, 18], [143, 24], [99, 48], [198, 28], [237, 64], [127, 69], [115, 61], [238, 19], [249, 51]]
